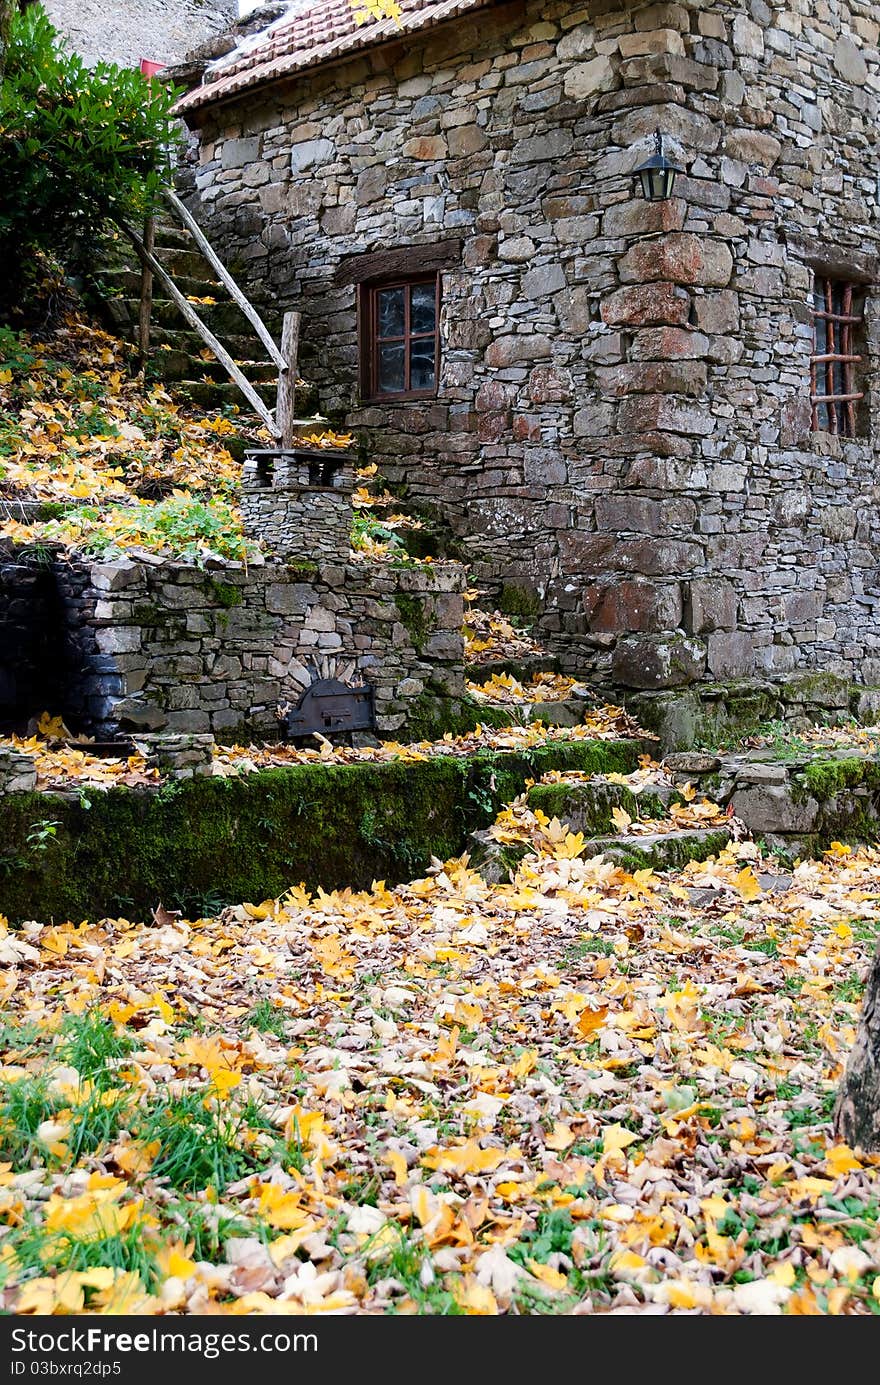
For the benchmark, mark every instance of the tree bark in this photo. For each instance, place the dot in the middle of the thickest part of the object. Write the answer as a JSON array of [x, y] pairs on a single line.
[[7, 9], [857, 1110]]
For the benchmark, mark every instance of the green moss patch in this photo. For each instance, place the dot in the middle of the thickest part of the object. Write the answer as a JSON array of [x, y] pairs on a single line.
[[200, 843]]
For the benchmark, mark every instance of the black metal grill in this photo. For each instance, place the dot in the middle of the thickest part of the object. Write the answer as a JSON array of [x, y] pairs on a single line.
[[331, 708]]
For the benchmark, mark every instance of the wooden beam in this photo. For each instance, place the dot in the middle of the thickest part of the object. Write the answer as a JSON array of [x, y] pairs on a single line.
[[406, 259], [285, 409], [146, 306], [191, 316], [224, 276]]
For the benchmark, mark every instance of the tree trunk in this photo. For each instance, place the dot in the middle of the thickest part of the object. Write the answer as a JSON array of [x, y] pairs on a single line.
[[7, 9], [857, 1111]]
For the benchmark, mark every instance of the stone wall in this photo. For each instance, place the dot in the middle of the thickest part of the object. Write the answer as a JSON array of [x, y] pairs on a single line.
[[124, 31], [161, 645], [622, 423]]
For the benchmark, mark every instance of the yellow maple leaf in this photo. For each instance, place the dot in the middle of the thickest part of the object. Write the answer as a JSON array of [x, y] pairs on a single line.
[[746, 884]]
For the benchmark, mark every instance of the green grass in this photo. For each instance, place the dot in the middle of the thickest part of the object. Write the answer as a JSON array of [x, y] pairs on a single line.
[[94, 1046], [199, 1144]]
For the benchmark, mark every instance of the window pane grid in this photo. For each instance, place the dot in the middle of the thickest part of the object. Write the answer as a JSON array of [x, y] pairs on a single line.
[[833, 392], [404, 345]]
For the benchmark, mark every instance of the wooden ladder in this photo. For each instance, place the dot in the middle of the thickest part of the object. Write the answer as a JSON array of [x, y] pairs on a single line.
[[281, 422]]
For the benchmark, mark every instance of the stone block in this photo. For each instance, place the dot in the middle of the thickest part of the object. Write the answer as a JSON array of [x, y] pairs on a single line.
[[512, 350], [731, 654], [643, 413], [119, 639], [651, 41], [630, 606], [654, 377], [752, 147], [849, 61], [646, 662], [679, 258], [711, 605], [771, 808], [668, 343], [586, 79], [647, 305], [717, 312], [238, 153], [311, 153]]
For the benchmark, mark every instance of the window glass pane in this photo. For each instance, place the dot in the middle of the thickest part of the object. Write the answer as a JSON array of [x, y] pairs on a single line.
[[821, 336], [423, 308], [421, 364], [390, 316], [391, 378]]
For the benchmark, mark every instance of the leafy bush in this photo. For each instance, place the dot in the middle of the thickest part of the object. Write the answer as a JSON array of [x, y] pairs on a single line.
[[78, 146]]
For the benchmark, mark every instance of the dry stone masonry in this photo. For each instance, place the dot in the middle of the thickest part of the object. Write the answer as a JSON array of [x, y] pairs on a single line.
[[621, 436], [165, 646]]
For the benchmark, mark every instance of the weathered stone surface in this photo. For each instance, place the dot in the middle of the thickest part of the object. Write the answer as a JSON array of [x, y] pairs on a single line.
[[712, 605], [730, 654], [645, 305], [632, 606], [583, 80], [850, 62], [643, 662], [679, 258]]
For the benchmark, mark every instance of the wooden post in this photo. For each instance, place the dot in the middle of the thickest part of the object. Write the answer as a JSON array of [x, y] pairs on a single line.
[[146, 308], [224, 276], [189, 314], [285, 409]]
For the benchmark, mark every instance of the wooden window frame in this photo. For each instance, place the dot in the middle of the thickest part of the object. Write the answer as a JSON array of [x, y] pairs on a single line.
[[841, 324], [369, 339]]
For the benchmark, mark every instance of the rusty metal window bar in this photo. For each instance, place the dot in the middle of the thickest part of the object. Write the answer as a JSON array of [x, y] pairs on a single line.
[[833, 365]]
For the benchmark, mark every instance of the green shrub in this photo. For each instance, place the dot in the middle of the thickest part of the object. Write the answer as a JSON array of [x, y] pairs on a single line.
[[78, 146]]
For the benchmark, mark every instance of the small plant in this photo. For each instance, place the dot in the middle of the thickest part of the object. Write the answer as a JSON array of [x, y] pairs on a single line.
[[43, 833], [267, 1018]]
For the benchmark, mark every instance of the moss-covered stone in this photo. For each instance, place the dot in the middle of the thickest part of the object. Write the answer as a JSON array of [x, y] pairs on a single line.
[[824, 779], [416, 618], [206, 841], [223, 593], [588, 808], [430, 717], [522, 602], [670, 851]]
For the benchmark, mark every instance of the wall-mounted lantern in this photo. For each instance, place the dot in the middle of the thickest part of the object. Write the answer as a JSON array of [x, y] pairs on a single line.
[[657, 174]]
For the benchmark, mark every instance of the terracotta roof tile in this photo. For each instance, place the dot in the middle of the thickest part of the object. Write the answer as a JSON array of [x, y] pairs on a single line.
[[311, 33]]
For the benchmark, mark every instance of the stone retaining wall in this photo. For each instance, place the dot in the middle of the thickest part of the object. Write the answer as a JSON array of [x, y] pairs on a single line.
[[161, 645], [622, 426]]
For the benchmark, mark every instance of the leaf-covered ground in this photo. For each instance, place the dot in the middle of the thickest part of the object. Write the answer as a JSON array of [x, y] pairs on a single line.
[[584, 1091]]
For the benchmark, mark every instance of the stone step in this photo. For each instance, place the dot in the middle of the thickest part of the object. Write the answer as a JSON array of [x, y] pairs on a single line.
[[523, 669], [217, 394], [180, 365], [498, 862], [125, 282], [661, 850], [588, 807]]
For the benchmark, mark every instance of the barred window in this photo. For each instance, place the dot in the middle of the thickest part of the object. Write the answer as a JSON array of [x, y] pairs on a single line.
[[834, 365]]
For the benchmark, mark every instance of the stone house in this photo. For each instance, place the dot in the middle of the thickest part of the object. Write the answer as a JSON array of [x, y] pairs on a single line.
[[625, 409], [125, 31]]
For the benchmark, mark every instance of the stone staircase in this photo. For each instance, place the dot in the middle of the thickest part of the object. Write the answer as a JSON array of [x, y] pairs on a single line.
[[177, 354], [588, 804]]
